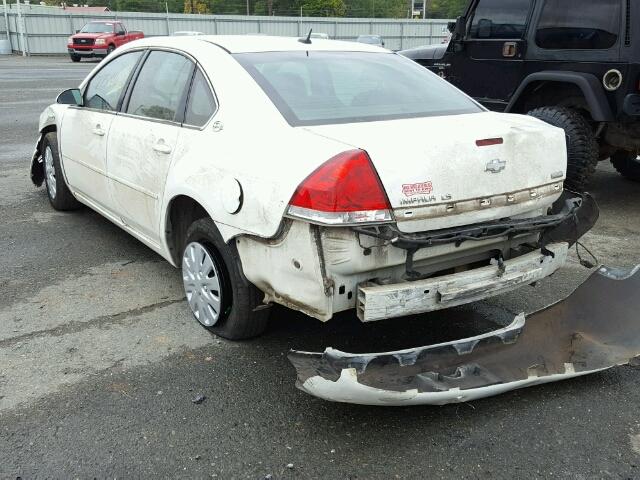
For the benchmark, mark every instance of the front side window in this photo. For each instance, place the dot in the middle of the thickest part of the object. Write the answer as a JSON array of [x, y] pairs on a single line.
[[161, 86], [201, 104], [500, 19], [316, 88], [595, 26], [106, 87]]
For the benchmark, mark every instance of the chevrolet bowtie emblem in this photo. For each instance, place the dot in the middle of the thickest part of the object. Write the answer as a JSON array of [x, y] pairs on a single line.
[[495, 166]]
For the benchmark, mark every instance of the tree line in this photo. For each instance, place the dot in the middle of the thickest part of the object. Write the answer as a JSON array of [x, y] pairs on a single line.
[[307, 8]]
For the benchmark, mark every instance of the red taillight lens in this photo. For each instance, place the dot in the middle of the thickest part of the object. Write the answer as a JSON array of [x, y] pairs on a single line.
[[345, 189]]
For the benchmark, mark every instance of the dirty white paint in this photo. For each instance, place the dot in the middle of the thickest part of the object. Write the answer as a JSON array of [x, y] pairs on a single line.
[[443, 152], [112, 164], [377, 302], [347, 389]]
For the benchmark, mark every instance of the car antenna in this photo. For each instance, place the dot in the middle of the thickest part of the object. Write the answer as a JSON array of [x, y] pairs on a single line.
[[308, 39]]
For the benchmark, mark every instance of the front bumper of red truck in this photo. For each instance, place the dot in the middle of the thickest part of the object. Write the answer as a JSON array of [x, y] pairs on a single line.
[[87, 51]]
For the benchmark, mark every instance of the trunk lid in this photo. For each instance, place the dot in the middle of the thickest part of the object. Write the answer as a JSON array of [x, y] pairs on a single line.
[[436, 176]]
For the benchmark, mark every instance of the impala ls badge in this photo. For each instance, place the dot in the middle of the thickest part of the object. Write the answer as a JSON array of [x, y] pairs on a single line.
[[496, 166]]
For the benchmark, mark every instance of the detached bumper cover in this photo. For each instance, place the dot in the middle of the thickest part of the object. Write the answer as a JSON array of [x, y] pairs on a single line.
[[595, 328]]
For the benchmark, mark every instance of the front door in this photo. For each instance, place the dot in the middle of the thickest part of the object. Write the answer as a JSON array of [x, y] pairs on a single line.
[[143, 140], [491, 64], [85, 130]]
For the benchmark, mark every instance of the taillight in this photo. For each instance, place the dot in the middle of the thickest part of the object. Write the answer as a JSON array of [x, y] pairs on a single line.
[[344, 190]]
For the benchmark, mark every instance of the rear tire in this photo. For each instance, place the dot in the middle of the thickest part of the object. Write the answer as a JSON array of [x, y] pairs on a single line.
[[75, 58], [59, 194], [220, 297], [582, 148], [627, 164]]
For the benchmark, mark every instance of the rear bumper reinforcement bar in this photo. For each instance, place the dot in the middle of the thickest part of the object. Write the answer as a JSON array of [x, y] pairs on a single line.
[[571, 217], [595, 328]]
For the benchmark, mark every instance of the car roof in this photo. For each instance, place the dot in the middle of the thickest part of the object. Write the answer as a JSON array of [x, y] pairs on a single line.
[[259, 43]]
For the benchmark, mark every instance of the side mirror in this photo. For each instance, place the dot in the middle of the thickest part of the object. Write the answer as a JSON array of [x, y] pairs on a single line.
[[77, 31], [72, 96], [119, 34], [451, 26]]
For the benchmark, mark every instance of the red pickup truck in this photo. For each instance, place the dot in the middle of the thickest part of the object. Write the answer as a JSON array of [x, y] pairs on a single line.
[[99, 39]]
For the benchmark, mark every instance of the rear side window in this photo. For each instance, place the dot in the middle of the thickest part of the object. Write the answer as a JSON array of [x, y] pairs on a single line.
[[106, 87], [579, 24], [201, 104], [320, 88], [500, 19], [161, 86]]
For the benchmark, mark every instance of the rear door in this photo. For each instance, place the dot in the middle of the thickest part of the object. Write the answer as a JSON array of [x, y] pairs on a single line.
[[491, 64], [143, 139], [85, 130]]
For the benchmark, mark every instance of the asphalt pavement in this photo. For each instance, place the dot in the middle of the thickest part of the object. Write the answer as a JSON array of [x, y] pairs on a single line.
[[100, 358]]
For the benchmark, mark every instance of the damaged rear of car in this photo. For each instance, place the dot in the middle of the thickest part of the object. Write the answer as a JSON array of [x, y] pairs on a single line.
[[594, 329], [433, 203], [360, 181]]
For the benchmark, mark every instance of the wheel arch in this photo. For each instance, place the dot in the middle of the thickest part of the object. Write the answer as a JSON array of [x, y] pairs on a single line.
[[587, 84], [37, 165], [180, 212]]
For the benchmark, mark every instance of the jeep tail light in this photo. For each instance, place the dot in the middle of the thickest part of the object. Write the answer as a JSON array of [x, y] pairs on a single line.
[[344, 190]]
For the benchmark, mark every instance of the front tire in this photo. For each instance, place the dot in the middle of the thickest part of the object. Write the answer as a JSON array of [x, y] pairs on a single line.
[[582, 148], [219, 295], [75, 58], [110, 49], [58, 192], [627, 164]]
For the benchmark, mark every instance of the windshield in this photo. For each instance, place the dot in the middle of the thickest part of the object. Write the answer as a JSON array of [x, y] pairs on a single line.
[[97, 28], [317, 88]]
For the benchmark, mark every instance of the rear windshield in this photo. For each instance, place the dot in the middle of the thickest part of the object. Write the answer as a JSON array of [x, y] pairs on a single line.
[[97, 28], [316, 88]]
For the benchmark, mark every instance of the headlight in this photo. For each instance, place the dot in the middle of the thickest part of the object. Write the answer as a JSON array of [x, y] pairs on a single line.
[[70, 40], [100, 41]]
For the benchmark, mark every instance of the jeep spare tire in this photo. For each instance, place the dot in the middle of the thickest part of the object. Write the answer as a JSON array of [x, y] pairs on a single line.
[[582, 148], [627, 164]]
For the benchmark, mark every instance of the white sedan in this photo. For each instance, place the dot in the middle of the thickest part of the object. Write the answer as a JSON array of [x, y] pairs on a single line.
[[320, 175]]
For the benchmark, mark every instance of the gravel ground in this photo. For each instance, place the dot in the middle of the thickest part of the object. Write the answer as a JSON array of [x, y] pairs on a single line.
[[100, 358]]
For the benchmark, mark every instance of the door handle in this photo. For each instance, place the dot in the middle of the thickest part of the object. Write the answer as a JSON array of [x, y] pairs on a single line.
[[162, 147], [97, 130], [509, 49]]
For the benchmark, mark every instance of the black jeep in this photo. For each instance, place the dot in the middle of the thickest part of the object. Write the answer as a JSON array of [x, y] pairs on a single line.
[[572, 63]]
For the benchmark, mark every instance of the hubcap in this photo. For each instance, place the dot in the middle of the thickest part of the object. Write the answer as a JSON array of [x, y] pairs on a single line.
[[50, 172], [201, 280]]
